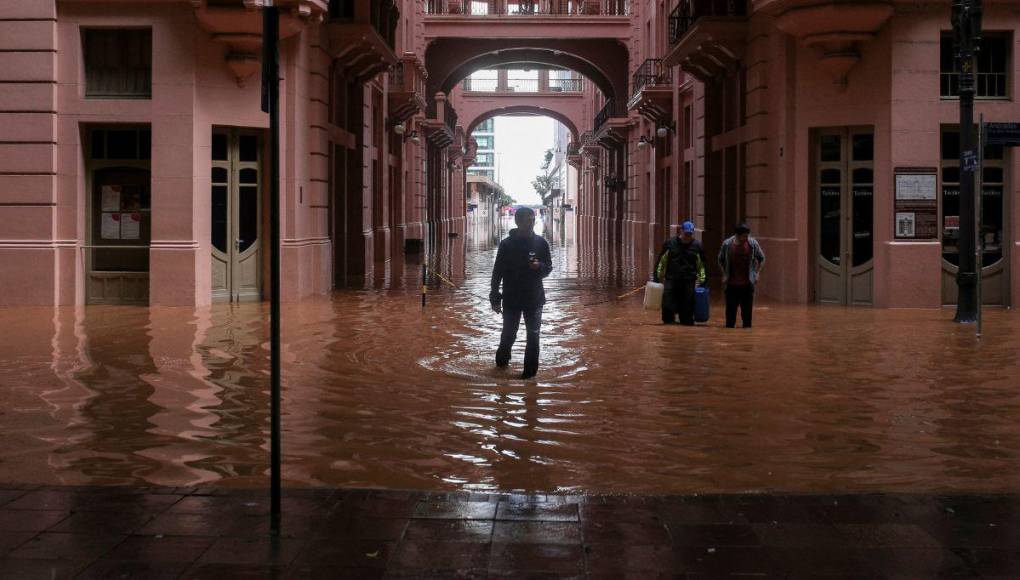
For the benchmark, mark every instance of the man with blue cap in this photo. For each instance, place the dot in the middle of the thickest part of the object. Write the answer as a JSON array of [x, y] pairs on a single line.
[[680, 267]]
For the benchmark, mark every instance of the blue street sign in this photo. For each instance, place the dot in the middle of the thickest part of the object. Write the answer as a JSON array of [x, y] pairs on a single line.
[[1006, 134]]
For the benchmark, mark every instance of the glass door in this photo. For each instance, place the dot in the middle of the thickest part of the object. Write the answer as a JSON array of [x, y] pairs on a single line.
[[995, 245], [844, 189], [236, 216]]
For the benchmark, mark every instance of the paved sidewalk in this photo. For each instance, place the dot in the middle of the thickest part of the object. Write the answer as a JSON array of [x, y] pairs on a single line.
[[110, 533]]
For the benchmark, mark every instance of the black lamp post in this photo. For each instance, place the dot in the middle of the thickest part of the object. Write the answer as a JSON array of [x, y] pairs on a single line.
[[966, 21], [271, 105]]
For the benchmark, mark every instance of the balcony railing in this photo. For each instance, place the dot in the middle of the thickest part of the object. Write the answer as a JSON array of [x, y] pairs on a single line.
[[607, 111], [573, 148], [994, 85], [491, 85], [522, 86], [528, 7], [687, 12], [565, 85], [481, 85], [587, 138], [651, 72]]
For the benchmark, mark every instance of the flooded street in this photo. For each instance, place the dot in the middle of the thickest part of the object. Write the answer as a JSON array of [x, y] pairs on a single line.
[[381, 393]]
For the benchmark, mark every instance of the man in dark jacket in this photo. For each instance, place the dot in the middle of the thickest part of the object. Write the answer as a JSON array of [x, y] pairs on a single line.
[[522, 261], [741, 260], [680, 266]]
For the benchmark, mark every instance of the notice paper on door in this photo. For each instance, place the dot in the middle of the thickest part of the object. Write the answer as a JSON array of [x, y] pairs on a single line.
[[130, 225], [110, 229], [111, 198]]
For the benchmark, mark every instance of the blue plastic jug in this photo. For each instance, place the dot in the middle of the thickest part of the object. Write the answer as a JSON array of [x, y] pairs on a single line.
[[701, 304]]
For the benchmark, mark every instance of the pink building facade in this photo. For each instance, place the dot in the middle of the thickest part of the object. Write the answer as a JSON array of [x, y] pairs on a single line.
[[132, 142], [832, 129]]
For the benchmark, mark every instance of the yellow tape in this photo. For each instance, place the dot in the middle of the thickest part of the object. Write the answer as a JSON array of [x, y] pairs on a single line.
[[443, 278], [634, 291]]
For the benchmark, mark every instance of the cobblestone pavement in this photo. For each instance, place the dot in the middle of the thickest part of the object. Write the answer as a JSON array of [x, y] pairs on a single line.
[[125, 532]]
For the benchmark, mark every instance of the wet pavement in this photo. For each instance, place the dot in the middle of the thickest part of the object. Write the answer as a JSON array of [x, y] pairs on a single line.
[[196, 533], [851, 442], [381, 393]]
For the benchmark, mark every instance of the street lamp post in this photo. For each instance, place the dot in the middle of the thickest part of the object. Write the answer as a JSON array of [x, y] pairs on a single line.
[[271, 105], [966, 21]]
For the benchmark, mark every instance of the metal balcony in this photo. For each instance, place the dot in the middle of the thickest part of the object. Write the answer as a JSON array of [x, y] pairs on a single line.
[[407, 90], [440, 126], [610, 129], [603, 115], [707, 37], [687, 12], [651, 72], [363, 33], [521, 86], [652, 86]]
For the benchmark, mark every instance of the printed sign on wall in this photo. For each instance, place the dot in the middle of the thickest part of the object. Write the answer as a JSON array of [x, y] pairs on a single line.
[[916, 211]]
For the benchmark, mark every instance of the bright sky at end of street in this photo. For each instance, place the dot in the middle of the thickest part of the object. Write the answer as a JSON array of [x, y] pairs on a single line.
[[521, 143]]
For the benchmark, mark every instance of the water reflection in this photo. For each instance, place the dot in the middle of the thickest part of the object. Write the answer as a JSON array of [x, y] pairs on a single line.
[[378, 392]]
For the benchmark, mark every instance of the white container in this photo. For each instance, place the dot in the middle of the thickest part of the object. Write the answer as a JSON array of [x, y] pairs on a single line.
[[653, 296]]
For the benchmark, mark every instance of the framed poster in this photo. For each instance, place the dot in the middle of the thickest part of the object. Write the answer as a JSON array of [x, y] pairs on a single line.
[[916, 210]]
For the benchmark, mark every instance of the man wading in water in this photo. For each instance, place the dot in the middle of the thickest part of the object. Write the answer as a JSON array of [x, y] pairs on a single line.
[[522, 261]]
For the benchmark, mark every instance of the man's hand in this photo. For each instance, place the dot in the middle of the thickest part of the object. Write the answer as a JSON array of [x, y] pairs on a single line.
[[534, 264], [497, 308], [496, 301]]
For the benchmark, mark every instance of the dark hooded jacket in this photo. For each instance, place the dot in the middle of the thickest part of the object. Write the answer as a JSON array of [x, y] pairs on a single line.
[[522, 286]]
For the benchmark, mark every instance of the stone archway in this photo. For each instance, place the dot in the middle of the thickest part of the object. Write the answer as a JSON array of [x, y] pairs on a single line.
[[604, 61], [565, 112]]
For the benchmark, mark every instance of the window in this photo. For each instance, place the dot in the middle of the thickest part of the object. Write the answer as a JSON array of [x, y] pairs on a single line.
[[485, 126], [121, 200], [120, 144], [484, 142], [483, 159], [118, 63], [992, 185], [993, 63]]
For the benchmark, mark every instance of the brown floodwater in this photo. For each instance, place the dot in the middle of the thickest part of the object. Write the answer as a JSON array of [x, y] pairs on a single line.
[[381, 393]]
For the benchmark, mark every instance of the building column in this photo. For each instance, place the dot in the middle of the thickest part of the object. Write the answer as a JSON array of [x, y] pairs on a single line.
[[37, 241], [179, 262]]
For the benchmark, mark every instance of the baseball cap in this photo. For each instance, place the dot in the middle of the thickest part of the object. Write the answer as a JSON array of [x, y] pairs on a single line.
[[688, 227]]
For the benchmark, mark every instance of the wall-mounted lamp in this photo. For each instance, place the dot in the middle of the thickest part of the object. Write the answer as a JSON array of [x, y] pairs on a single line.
[[413, 137], [399, 129], [614, 183], [644, 142], [662, 131]]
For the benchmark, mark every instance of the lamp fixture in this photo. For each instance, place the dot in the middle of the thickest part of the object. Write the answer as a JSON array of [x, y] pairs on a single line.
[[413, 137], [662, 131], [613, 183], [644, 142], [399, 129]]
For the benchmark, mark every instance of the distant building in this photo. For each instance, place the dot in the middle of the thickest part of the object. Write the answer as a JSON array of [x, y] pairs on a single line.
[[485, 160]]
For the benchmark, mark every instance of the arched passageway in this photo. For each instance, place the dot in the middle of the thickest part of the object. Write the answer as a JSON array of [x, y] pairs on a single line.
[[603, 61], [476, 112]]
